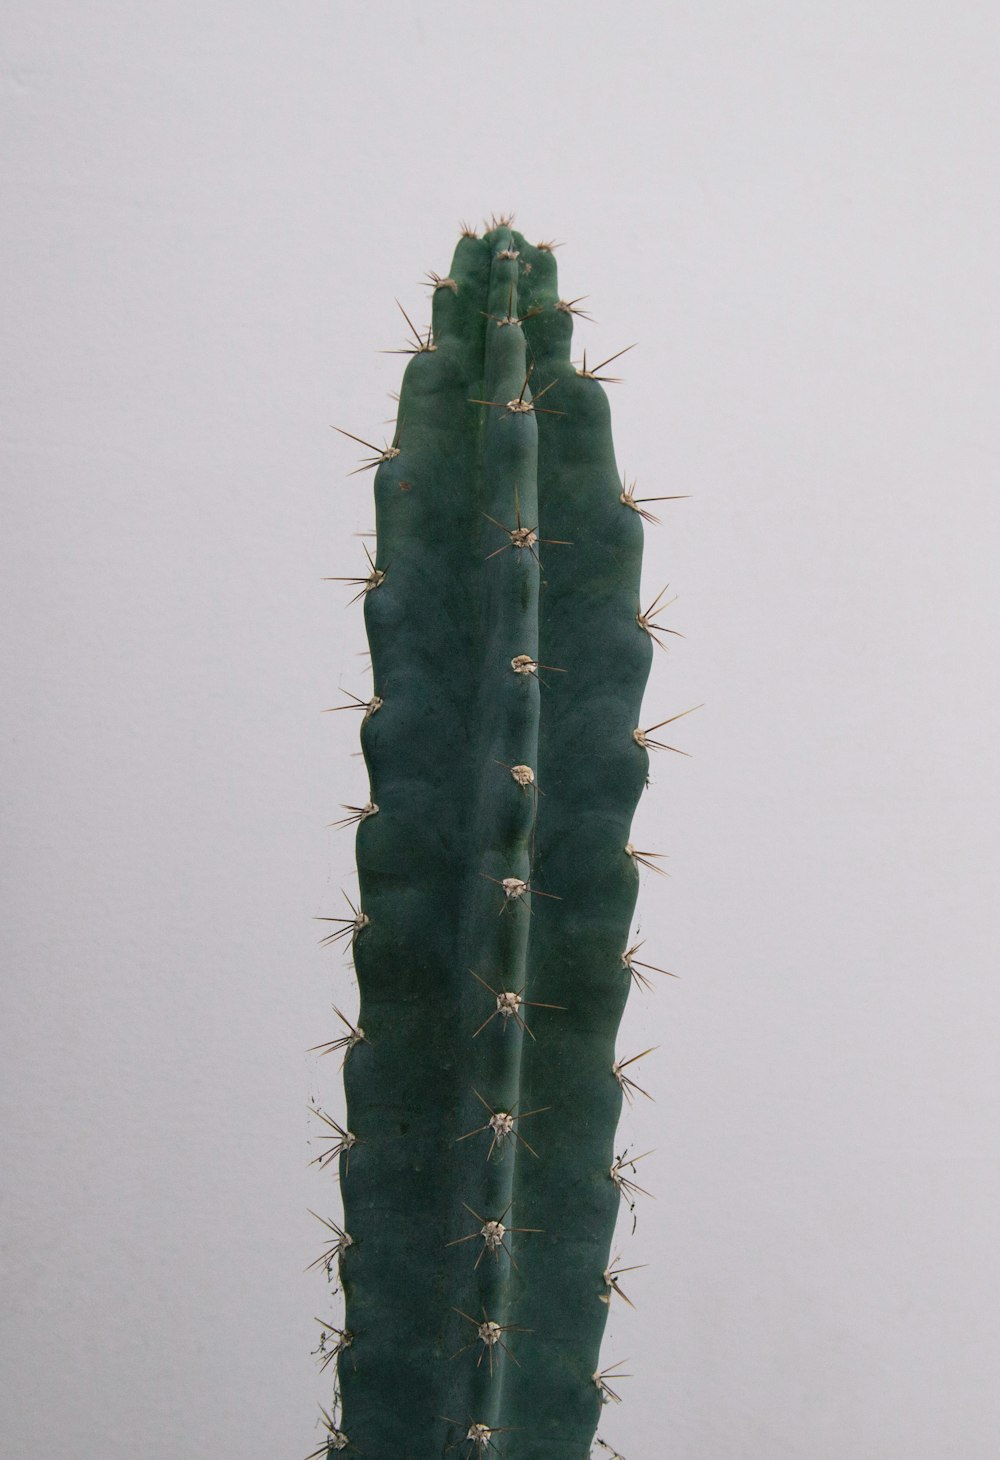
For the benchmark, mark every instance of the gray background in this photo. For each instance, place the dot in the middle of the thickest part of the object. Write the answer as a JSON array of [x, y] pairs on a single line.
[[209, 210]]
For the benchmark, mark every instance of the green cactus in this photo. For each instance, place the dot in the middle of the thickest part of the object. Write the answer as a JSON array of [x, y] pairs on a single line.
[[478, 1169]]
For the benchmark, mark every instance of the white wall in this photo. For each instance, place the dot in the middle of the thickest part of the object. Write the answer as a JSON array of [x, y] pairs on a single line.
[[209, 210]]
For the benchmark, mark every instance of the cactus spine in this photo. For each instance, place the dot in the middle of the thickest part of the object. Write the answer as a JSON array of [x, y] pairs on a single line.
[[509, 650]]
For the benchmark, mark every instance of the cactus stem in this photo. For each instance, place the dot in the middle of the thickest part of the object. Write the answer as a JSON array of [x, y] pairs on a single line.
[[641, 737], [646, 619], [502, 1124], [628, 1085], [374, 579], [344, 1139], [509, 1005], [335, 1249], [643, 859], [592, 374], [490, 1334], [632, 963], [358, 814], [629, 499], [604, 1388], [439, 1052], [611, 1275], [382, 453]]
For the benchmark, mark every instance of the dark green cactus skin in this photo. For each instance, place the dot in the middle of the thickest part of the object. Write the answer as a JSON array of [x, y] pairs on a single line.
[[457, 603]]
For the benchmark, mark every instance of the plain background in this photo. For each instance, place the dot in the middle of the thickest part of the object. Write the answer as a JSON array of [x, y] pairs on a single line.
[[793, 208]]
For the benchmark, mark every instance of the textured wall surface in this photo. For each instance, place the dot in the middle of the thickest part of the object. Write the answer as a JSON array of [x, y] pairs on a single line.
[[794, 211]]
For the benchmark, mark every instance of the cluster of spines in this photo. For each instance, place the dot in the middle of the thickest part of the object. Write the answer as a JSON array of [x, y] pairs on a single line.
[[498, 1123]]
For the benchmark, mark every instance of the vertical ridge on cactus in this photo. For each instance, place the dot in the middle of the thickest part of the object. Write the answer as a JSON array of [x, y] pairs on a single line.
[[498, 885]]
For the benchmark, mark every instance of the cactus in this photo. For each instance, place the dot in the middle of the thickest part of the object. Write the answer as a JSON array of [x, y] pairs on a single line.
[[479, 1174]]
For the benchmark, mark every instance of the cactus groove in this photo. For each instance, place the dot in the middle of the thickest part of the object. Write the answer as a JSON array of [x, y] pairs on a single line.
[[497, 888]]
